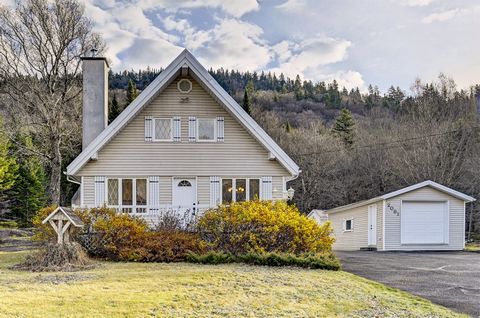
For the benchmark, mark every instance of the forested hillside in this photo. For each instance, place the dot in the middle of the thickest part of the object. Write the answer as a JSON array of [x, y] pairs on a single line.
[[352, 145]]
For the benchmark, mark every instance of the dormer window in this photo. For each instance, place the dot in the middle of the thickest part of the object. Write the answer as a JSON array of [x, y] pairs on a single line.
[[184, 86], [206, 129]]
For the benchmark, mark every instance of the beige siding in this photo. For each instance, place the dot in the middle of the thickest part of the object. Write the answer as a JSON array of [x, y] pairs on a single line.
[[354, 240], [456, 220], [203, 191], [166, 190], [129, 155], [88, 191]]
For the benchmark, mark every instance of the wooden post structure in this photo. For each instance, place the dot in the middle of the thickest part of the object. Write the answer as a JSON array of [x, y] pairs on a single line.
[[62, 220]]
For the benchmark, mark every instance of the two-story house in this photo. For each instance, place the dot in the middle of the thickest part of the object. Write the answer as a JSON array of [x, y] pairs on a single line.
[[183, 144]]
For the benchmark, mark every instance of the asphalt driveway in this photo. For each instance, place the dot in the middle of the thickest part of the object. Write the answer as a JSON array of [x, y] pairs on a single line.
[[451, 279]]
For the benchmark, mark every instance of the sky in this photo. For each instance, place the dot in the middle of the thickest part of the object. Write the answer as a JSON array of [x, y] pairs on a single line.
[[356, 42]]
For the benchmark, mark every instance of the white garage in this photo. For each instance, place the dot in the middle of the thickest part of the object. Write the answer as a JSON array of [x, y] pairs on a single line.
[[424, 216]]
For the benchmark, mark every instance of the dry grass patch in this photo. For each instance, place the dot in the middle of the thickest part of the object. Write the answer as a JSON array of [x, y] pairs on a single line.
[[188, 290]]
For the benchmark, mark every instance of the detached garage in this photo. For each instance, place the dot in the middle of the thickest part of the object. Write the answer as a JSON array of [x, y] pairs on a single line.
[[424, 216]]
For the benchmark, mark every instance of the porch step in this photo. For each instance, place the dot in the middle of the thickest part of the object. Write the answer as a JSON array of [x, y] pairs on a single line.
[[368, 248]]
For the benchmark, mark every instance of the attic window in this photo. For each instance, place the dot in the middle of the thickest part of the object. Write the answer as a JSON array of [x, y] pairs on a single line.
[[184, 86]]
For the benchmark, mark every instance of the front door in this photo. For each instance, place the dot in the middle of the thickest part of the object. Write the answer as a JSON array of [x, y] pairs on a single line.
[[184, 196], [372, 225]]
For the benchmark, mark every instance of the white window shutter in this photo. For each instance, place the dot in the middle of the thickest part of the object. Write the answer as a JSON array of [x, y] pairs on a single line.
[[344, 224], [220, 129], [177, 134], [192, 129], [266, 188], [154, 193], [99, 191], [214, 191], [148, 128]]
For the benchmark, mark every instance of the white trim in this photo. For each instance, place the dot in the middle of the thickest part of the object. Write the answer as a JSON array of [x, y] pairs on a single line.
[[184, 80], [383, 224], [160, 83], [82, 189], [215, 133], [120, 206], [390, 195], [234, 188], [464, 223], [371, 221], [432, 184], [154, 125], [352, 227]]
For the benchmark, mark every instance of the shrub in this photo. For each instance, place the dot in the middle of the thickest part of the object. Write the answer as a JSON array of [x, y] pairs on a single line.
[[320, 261], [211, 257], [161, 246], [43, 232], [262, 227]]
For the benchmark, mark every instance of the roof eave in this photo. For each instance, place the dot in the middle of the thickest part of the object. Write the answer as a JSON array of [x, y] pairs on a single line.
[[155, 88]]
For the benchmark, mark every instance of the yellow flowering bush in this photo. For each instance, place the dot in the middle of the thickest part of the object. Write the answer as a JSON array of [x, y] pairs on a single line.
[[263, 227]]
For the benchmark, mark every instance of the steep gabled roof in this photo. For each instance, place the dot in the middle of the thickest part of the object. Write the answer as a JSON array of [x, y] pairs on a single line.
[[390, 195], [197, 71]]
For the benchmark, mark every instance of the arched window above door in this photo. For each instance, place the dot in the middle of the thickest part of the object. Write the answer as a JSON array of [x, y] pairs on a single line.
[[184, 183]]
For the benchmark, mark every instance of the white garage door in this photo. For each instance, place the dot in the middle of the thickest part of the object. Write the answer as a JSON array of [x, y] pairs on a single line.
[[424, 223]]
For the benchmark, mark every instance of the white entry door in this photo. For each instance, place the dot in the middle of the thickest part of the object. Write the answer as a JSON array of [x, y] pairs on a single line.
[[372, 225], [185, 196]]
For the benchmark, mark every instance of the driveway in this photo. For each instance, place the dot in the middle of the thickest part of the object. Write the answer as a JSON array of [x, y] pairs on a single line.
[[451, 279]]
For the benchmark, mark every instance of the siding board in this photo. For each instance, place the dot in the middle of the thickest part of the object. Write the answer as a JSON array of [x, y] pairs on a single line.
[[456, 220], [129, 155]]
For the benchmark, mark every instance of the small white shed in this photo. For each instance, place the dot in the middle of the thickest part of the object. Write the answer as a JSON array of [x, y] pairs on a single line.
[[424, 216]]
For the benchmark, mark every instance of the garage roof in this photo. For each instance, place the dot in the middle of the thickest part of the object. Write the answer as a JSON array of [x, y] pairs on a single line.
[[427, 183]]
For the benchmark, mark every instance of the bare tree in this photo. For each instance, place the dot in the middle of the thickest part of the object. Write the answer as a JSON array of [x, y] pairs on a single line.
[[41, 42]]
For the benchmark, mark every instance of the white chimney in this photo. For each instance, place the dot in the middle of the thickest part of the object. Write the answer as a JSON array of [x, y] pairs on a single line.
[[95, 98]]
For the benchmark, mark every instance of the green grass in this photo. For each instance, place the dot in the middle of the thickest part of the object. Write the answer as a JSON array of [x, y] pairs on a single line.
[[4, 224], [472, 247], [190, 290]]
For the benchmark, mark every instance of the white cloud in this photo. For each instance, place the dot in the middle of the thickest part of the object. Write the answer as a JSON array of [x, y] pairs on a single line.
[[441, 16], [416, 3], [310, 58], [449, 14], [236, 8], [348, 79], [292, 5], [232, 44], [310, 54]]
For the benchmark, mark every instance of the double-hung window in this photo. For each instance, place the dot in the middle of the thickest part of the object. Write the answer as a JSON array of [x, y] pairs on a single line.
[[239, 190], [206, 129], [162, 129], [128, 195]]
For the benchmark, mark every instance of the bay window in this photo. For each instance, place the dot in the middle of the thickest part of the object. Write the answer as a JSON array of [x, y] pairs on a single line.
[[128, 195], [239, 190]]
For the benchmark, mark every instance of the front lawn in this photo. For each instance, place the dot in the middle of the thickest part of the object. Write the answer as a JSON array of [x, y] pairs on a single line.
[[189, 290], [473, 247]]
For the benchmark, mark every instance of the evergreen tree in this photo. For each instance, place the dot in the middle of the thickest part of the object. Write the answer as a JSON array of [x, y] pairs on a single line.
[[298, 89], [114, 109], [131, 91], [250, 88], [29, 193], [344, 127], [8, 164], [246, 105]]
